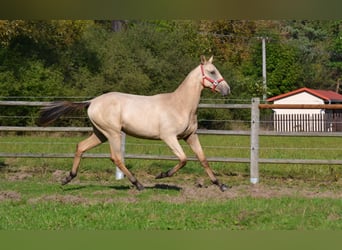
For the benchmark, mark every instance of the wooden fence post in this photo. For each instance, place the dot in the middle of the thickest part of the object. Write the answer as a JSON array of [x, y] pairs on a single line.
[[119, 175], [255, 117]]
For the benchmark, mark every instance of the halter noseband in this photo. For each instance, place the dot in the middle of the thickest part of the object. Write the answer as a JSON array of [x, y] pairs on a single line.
[[214, 82]]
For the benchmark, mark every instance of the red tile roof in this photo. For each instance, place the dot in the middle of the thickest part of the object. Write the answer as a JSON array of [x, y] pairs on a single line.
[[326, 95]]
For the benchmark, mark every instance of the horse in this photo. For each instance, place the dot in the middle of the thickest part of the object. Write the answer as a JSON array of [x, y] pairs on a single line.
[[168, 117]]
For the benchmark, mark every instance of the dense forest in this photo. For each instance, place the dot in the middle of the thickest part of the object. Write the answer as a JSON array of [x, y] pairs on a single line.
[[48, 60]]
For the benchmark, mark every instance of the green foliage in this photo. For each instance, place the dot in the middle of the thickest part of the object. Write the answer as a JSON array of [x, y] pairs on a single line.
[[283, 69], [87, 58], [139, 60], [335, 48]]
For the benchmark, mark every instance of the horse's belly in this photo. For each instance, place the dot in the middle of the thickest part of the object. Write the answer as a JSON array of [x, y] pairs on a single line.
[[141, 128], [141, 133]]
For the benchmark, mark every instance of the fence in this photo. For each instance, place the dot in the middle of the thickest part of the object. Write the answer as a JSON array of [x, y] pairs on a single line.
[[255, 132], [126, 156], [322, 122]]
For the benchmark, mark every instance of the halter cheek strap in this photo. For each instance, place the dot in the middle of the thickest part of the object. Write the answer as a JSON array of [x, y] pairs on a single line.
[[214, 82]]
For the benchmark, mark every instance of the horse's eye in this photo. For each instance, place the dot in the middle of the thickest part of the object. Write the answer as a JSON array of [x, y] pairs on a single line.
[[213, 72]]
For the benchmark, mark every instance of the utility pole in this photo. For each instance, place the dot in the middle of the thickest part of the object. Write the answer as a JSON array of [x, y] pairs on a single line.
[[264, 83], [338, 85]]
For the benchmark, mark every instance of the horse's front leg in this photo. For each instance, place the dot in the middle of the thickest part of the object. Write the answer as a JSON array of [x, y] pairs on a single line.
[[195, 145], [117, 158]]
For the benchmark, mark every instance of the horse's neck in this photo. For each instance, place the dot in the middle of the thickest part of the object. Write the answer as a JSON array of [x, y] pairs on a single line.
[[188, 92]]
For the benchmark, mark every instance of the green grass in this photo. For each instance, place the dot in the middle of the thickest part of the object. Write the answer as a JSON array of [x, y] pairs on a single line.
[[93, 211], [288, 197], [255, 215]]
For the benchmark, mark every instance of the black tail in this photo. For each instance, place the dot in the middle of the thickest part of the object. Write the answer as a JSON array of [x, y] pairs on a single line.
[[53, 111]]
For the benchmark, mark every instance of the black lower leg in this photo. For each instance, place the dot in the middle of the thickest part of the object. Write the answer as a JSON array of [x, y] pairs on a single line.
[[68, 178]]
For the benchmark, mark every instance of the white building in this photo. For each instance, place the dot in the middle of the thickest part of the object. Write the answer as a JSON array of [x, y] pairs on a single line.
[[308, 120]]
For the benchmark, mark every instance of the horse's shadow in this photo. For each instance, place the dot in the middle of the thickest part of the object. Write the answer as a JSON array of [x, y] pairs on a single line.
[[165, 187], [3, 164], [91, 186], [121, 187]]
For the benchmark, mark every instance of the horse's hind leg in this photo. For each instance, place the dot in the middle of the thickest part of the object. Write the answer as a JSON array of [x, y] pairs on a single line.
[[95, 139], [176, 148], [116, 157], [195, 145]]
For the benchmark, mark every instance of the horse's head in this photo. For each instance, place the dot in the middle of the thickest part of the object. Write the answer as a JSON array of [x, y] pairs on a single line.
[[211, 77]]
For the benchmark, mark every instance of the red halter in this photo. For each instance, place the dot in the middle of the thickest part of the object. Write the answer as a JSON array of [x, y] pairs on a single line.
[[214, 82]]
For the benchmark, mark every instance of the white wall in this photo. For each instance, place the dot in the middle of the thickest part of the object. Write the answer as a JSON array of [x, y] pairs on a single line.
[[300, 98]]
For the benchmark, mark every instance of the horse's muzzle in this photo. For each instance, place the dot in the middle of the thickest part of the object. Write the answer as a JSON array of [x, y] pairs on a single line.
[[223, 88]]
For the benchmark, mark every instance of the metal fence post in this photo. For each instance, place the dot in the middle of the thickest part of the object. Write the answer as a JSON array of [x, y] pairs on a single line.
[[119, 175], [255, 121]]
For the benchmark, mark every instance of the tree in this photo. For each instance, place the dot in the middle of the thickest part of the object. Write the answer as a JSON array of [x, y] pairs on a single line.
[[312, 38], [335, 56]]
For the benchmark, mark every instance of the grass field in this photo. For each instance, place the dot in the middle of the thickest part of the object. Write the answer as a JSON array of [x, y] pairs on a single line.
[[288, 196]]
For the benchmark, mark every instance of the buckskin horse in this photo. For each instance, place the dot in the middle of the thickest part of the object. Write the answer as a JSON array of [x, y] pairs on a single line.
[[167, 116]]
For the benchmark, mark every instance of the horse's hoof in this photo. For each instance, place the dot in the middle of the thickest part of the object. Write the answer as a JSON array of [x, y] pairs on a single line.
[[162, 175], [68, 178], [139, 186], [223, 187]]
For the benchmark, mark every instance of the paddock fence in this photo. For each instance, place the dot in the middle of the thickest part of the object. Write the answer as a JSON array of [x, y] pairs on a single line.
[[257, 129]]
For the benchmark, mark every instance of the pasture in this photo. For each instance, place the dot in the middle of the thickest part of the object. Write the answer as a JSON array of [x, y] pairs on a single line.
[[287, 197]]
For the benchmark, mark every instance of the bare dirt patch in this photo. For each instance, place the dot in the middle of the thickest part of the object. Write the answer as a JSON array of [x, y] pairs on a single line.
[[19, 176], [64, 199], [58, 175], [181, 189], [188, 193], [184, 193], [9, 195]]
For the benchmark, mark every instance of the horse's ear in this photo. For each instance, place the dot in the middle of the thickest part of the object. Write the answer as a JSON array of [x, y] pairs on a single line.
[[203, 60], [211, 59]]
